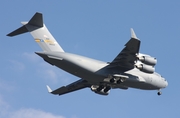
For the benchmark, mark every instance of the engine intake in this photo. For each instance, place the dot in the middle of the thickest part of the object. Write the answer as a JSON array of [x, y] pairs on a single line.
[[147, 59], [145, 68]]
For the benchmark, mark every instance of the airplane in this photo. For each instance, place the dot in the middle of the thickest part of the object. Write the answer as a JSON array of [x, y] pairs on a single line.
[[129, 69]]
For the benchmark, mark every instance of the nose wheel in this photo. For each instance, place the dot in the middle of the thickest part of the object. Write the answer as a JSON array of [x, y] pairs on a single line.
[[159, 93]]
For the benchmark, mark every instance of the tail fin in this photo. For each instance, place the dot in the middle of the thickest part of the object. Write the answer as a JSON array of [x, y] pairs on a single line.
[[39, 32]]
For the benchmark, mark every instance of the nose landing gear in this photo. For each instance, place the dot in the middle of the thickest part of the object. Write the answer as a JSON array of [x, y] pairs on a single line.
[[159, 93]]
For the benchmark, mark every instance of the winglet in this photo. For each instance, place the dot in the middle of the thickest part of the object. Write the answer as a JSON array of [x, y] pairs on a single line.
[[133, 35], [49, 89]]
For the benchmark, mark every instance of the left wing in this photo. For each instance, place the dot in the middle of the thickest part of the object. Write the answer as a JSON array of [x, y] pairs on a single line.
[[128, 56], [80, 84]]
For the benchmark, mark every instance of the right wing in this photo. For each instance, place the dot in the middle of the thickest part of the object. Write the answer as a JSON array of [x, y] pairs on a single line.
[[128, 56], [80, 84]]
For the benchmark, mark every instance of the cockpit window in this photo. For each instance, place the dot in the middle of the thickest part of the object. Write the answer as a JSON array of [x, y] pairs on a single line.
[[158, 74]]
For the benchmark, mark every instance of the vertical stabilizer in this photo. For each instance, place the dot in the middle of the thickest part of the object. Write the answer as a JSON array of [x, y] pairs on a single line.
[[39, 32]]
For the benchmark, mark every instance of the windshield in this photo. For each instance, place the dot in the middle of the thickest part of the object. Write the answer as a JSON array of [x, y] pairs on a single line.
[[157, 74]]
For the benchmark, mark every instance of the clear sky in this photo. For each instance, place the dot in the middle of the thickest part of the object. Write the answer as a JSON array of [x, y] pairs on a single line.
[[96, 29]]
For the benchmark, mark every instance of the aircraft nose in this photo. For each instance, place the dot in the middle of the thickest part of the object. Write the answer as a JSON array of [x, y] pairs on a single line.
[[166, 84]]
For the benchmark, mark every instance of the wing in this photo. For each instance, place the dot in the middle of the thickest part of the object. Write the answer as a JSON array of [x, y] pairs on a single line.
[[80, 84], [127, 57]]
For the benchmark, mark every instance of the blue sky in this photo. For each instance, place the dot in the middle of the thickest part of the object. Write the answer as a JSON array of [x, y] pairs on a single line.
[[96, 29]]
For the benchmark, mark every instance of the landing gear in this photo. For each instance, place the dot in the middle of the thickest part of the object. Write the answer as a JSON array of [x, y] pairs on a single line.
[[121, 80], [159, 93], [100, 88], [117, 80], [107, 89], [112, 80]]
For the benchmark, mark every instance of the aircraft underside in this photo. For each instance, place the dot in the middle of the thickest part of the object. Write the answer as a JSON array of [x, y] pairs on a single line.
[[102, 81], [128, 69]]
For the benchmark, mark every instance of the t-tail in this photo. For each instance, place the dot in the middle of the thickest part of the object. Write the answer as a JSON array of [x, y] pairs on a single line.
[[39, 32]]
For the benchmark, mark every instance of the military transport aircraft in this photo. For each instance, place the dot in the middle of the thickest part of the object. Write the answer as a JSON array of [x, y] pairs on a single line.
[[129, 69]]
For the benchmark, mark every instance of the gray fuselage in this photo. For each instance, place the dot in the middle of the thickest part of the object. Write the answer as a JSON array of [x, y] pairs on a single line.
[[95, 71]]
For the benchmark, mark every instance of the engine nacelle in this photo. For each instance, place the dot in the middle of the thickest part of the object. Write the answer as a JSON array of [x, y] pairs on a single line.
[[146, 59], [145, 68], [100, 89]]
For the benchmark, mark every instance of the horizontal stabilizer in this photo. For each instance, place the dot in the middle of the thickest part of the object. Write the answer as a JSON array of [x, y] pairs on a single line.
[[20, 30], [36, 21]]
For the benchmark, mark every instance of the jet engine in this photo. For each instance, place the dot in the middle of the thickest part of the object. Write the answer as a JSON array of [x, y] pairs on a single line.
[[146, 59], [145, 68], [102, 90]]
